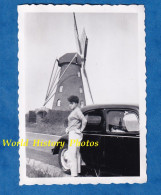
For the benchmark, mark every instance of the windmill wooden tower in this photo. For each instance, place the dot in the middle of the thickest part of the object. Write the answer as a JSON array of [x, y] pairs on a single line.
[[66, 76]]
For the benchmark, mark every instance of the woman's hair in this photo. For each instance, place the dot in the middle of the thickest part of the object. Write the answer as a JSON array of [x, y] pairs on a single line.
[[74, 99]]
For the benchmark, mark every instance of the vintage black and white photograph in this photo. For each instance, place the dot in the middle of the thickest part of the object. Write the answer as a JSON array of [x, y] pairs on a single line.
[[82, 94]]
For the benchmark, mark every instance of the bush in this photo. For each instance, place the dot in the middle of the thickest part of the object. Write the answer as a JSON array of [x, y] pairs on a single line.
[[53, 123]]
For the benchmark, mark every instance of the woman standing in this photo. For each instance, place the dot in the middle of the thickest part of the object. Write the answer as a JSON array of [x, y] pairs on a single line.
[[76, 124]]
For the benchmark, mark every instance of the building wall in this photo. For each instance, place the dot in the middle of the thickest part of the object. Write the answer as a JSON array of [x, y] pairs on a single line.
[[71, 82]]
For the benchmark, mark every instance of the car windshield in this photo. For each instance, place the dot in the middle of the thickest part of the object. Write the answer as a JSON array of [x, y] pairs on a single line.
[[122, 121]]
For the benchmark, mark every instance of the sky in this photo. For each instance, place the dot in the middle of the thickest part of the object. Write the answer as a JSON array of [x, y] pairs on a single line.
[[112, 54]]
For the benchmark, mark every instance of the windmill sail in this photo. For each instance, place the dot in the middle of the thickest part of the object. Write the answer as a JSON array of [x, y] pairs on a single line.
[[85, 74], [84, 69], [77, 35], [85, 51], [49, 85], [82, 44], [83, 40]]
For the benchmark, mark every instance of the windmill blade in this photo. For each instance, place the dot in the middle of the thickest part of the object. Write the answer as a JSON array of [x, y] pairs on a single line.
[[56, 76], [83, 40], [84, 70], [77, 35], [82, 45], [51, 76], [85, 51], [85, 74]]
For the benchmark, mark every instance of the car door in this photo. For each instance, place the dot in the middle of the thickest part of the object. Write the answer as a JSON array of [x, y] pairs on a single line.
[[92, 153], [122, 151]]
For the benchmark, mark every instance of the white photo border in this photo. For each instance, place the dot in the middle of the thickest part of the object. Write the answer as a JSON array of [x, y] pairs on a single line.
[[139, 9]]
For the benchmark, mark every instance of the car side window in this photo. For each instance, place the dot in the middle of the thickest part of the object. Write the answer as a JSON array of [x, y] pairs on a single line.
[[122, 121], [95, 121]]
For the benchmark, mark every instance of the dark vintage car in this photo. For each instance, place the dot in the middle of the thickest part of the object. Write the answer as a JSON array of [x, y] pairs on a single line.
[[116, 129]]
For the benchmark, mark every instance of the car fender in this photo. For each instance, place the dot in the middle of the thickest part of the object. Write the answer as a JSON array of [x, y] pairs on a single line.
[[56, 149]]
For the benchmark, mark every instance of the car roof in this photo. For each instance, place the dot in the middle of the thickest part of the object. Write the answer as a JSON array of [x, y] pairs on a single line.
[[106, 106]]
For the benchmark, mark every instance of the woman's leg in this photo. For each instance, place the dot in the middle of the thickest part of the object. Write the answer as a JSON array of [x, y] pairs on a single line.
[[78, 160], [73, 160], [72, 152]]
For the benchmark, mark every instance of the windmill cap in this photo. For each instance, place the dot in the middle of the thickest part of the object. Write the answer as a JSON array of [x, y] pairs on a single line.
[[67, 58]]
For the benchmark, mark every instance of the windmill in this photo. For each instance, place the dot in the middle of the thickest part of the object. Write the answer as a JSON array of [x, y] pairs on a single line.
[[66, 75]]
